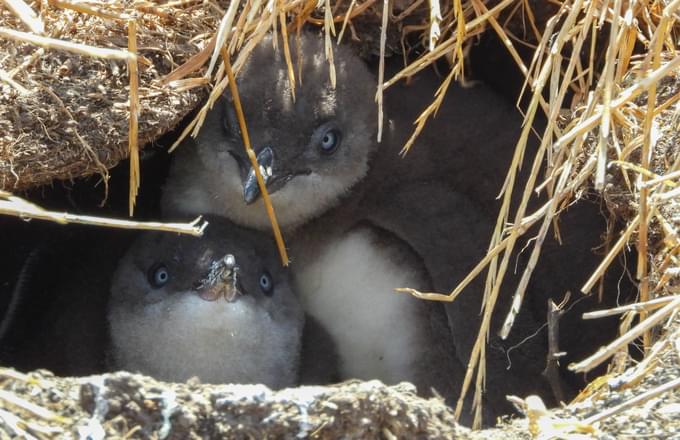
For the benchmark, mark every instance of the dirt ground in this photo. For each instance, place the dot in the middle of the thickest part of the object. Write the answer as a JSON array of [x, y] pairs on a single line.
[[125, 405]]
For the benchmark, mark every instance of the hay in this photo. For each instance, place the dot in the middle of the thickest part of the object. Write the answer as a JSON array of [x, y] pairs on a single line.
[[64, 101], [615, 118]]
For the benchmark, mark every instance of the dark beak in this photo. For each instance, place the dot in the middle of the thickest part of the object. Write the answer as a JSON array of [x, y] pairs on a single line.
[[251, 190]]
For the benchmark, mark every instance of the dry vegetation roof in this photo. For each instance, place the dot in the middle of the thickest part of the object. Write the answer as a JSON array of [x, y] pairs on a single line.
[[64, 109]]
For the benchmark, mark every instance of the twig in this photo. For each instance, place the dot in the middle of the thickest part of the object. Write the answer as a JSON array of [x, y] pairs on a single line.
[[551, 372], [18, 207]]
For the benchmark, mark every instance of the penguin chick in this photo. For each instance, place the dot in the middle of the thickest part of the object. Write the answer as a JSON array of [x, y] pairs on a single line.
[[312, 145], [378, 334], [318, 149], [219, 307]]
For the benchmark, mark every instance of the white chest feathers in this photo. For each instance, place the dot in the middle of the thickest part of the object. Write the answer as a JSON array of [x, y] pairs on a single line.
[[348, 284], [219, 342]]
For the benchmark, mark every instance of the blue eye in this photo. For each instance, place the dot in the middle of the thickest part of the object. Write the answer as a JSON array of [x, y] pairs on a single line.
[[330, 141], [158, 275], [266, 283]]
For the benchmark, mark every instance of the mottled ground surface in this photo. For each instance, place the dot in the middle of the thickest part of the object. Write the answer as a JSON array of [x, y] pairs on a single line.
[[123, 405]]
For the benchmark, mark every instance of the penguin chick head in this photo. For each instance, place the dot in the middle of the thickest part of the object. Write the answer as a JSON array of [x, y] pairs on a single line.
[[218, 307], [313, 144]]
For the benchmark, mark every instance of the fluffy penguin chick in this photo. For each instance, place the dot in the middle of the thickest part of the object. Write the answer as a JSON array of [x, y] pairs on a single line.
[[318, 144], [218, 307], [299, 155], [378, 334]]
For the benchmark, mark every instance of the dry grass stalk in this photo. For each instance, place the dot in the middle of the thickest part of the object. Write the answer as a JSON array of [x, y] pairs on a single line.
[[445, 46], [642, 245], [345, 20], [495, 277], [26, 429], [633, 376], [84, 8], [35, 410], [637, 331], [615, 250], [26, 14], [18, 207], [636, 307], [435, 20], [329, 30], [381, 69], [133, 131], [286, 53], [253, 160], [527, 222], [223, 33], [6, 77], [193, 64], [53, 43]]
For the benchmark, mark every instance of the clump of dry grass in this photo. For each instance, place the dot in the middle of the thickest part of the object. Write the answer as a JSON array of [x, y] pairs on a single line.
[[614, 126], [68, 96]]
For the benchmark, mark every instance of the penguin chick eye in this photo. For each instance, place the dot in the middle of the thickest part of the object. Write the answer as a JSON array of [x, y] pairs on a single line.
[[330, 141], [158, 275], [266, 284]]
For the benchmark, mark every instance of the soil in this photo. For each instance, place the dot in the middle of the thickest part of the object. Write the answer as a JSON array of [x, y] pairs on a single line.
[[125, 405]]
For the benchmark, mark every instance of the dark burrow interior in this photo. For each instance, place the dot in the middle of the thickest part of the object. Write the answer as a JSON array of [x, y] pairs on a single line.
[[40, 259]]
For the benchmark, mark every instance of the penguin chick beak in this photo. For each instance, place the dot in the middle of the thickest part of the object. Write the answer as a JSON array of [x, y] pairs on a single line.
[[221, 281], [251, 190], [274, 179]]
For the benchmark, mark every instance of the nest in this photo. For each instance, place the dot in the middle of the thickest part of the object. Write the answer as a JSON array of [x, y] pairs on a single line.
[[605, 75]]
